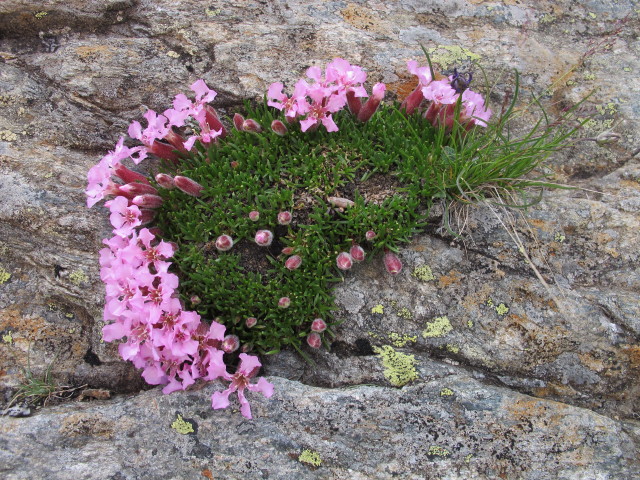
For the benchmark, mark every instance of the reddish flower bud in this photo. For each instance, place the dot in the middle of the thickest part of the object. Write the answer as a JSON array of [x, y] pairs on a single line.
[[284, 218], [369, 108], [132, 189], [293, 262], [195, 300], [147, 216], [254, 215], [344, 261], [188, 186], [284, 302], [370, 235], [251, 322], [147, 201], [224, 243], [250, 125], [128, 175], [234, 164], [279, 128], [413, 100], [238, 120], [318, 325], [357, 253], [163, 150], [354, 103], [263, 238], [392, 263], [246, 348], [156, 232], [165, 181], [176, 140], [314, 340], [230, 343], [213, 120], [287, 250]]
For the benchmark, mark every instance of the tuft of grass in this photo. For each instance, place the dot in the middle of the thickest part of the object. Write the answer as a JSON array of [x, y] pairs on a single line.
[[394, 168]]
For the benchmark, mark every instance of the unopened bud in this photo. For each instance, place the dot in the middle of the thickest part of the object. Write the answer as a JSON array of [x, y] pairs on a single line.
[[284, 302], [278, 127], [132, 189], [156, 232], [238, 120], [250, 125], [392, 263], [224, 243], [293, 262], [165, 181], [314, 340], [284, 218], [370, 235], [318, 325], [344, 261], [263, 238], [251, 322], [370, 107], [287, 250], [128, 175], [195, 300], [246, 348], [147, 216], [234, 164], [230, 343], [357, 253], [254, 215], [188, 186], [147, 201]]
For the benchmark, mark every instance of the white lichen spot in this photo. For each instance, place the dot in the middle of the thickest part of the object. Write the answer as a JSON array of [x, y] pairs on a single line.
[[8, 136], [173, 54], [438, 327]]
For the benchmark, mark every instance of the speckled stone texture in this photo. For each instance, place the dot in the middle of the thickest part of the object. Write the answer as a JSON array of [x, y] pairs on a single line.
[[531, 375]]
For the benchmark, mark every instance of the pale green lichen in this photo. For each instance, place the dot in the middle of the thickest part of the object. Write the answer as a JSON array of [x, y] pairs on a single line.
[[40, 15], [379, 309], [8, 136], [4, 276], [452, 55], [446, 392], [404, 313], [452, 348], [547, 18], [502, 309], [7, 338], [435, 450], [399, 368], [607, 109], [423, 273], [182, 426], [310, 457], [438, 327], [470, 323], [593, 15], [559, 237], [467, 458], [77, 277], [401, 340], [589, 76], [212, 12]]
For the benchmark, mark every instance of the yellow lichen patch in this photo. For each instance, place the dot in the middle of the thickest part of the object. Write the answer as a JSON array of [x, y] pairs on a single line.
[[470, 323], [7, 338], [559, 237], [404, 313], [77, 277], [379, 309], [502, 309], [451, 55], [182, 426], [446, 392], [438, 327], [4, 276], [310, 457], [423, 273], [211, 12], [401, 340], [399, 368], [435, 450], [452, 348], [40, 15]]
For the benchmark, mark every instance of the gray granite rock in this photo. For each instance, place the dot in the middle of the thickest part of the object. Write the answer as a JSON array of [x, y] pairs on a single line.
[[544, 368]]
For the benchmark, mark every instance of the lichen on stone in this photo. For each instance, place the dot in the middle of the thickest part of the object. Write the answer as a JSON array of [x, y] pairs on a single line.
[[452, 55], [7, 338], [404, 313], [4, 276], [401, 340], [77, 277], [8, 136], [435, 450], [438, 327], [502, 309], [182, 426], [423, 273], [452, 348], [399, 368], [379, 309], [310, 457], [446, 392]]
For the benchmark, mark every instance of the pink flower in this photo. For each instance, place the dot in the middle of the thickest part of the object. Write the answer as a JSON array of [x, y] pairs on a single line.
[[318, 325], [290, 105], [263, 238], [278, 128], [293, 262], [320, 112], [392, 263], [254, 215], [344, 261], [284, 218], [224, 243], [248, 368], [230, 343], [440, 92], [370, 235], [369, 108], [357, 253], [123, 217], [284, 302], [314, 340], [157, 129], [474, 108]]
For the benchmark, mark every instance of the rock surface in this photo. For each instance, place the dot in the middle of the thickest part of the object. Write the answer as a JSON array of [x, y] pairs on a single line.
[[545, 380]]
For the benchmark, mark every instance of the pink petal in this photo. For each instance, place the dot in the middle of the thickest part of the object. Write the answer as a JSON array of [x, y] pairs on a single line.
[[220, 399]]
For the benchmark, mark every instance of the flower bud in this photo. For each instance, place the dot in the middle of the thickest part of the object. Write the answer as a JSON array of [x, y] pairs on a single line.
[[238, 120], [278, 127], [287, 250], [195, 300], [163, 150], [251, 322], [224, 243], [176, 140], [314, 340], [357, 253], [147, 216], [392, 263], [230, 343], [354, 103], [131, 190], [370, 107], [344, 261], [128, 175], [293, 262], [188, 186], [254, 215], [250, 125], [165, 181], [147, 201], [318, 325], [263, 238], [284, 302], [370, 235], [246, 348], [156, 232], [211, 117], [233, 164], [284, 218]]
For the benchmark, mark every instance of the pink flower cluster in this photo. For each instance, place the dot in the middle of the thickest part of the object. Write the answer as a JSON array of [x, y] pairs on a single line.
[[442, 96], [314, 103], [171, 345]]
